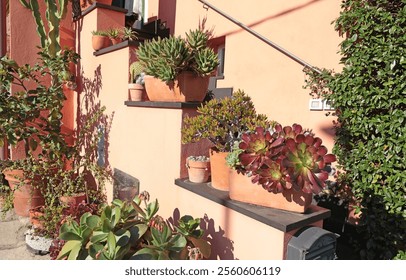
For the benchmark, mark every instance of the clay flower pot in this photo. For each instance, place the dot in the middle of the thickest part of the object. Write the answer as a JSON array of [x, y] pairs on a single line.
[[198, 169], [136, 92], [35, 217], [99, 42], [243, 190], [186, 88], [72, 200], [25, 195], [219, 170]]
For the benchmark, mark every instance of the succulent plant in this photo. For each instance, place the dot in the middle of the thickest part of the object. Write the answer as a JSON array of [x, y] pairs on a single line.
[[168, 57], [223, 121], [305, 161], [113, 32], [197, 39], [136, 73], [126, 230], [198, 158], [285, 158], [129, 34]]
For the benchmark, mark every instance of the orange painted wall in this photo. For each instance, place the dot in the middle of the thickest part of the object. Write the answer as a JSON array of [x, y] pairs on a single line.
[[23, 49], [145, 142], [274, 81]]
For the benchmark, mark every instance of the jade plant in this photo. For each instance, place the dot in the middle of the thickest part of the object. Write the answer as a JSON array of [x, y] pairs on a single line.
[[283, 158], [223, 121], [168, 57], [126, 230]]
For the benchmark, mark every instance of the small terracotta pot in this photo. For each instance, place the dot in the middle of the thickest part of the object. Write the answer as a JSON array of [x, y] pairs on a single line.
[[25, 196], [136, 92], [72, 200], [84, 4], [35, 215], [219, 170], [242, 189], [99, 42], [115, 41], [199, 171]]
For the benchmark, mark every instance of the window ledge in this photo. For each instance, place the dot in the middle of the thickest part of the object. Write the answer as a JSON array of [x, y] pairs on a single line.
[[282, 220], [116, 47], [168, 105]]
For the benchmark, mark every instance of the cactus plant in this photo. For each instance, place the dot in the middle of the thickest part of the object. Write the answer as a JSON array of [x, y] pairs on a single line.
[[55, 12], [136, 73]]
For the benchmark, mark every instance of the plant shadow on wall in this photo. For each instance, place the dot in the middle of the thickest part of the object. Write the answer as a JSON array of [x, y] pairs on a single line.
[[222, 248], [89, 105]]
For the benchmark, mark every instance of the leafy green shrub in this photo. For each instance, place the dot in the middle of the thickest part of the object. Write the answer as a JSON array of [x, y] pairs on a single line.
[[370, 102], [126, 231], [223, 121]]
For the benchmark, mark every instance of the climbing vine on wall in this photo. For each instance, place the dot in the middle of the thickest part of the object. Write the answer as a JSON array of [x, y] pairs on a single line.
[[369, 95]]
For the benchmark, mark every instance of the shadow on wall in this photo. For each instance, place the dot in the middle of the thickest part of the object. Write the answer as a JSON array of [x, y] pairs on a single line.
[[222, 248], [93, 140]]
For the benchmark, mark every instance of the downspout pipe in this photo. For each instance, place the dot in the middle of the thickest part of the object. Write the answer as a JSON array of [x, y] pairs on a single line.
[[259, 36], [3, 30], [3, 51]]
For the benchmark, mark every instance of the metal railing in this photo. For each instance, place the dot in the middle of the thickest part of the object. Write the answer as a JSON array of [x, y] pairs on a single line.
[[207, 5]]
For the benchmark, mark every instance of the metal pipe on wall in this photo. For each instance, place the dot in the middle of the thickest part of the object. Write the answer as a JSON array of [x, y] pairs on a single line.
[[3, 51], [3, 30]]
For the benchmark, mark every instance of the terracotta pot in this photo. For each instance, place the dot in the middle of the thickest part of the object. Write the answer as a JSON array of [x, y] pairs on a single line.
[[353, 218], [243, 190], [186, 88], [99, 42], [35, 215], [84, 4], [136, 92], [198, 171], [25, 196], [219, 170], [115, 41], [72, 200]]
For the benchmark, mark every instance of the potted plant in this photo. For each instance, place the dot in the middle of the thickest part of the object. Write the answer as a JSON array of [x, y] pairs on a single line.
[[198, 168], [178, 69], [31, 120], [115, 35], [129, 34], [288, 163], [100, 39], [133, 232], [83, 178], [136, 85], [222, 122]]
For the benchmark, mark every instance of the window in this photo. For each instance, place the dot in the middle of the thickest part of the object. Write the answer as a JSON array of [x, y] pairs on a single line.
[[221, 51]]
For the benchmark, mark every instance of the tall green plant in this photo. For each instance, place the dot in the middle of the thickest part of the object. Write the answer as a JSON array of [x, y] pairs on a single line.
[[55, 12], [370, 102]]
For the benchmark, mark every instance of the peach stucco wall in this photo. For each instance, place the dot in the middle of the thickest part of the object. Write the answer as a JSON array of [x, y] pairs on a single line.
[[145, 142], [274, 81], [23, 49]]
